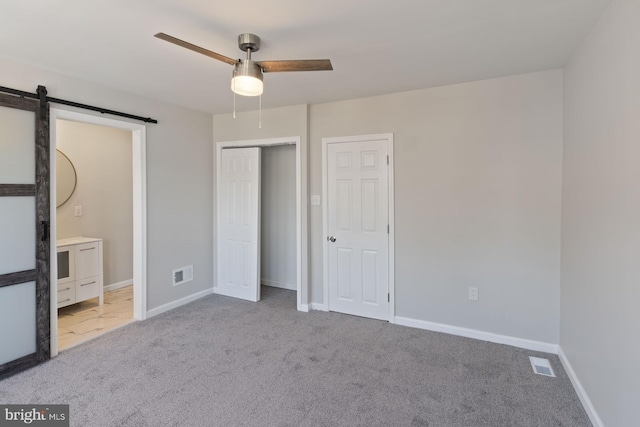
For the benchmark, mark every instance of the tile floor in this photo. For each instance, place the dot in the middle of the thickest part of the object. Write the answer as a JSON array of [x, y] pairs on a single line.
[[85, 320]]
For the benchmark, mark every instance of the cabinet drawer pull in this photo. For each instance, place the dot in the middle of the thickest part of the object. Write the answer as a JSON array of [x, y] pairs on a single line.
[[65, 289], [67, 300], [87, 249], [90, 283]]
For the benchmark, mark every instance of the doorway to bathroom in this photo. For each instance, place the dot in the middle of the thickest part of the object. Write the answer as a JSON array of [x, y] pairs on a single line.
[[98, 280]]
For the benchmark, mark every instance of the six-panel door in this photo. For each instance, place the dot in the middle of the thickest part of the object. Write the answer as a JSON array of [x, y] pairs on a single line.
[[358, 218], [239, 223]]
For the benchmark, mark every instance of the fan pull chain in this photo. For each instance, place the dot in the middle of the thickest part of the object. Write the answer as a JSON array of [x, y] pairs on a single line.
[[260, 113], [234, 100]]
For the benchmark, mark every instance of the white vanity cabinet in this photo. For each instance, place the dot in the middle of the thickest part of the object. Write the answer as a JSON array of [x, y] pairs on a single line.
[[80, 274]]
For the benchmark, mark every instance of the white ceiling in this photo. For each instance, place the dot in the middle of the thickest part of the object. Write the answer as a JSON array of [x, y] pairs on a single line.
[[376, 46]]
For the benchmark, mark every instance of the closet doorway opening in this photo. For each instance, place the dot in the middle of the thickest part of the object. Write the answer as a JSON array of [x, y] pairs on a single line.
[[98, 232], [261, 218]]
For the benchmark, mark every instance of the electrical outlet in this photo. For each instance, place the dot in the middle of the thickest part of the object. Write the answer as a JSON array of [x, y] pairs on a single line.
[[473, 293], [315, 200], [77, 211]]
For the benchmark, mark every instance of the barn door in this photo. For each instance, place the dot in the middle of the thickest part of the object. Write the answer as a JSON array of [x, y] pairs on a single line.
[[24, 234]]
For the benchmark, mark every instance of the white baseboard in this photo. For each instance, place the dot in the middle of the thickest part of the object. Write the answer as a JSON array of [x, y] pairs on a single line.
[[479, 335], [319, 306], [177, 303], [281, 285], [304, 308], [580, 391], [114, 286]]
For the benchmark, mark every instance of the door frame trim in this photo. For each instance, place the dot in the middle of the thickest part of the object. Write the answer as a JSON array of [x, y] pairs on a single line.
[[325, 225], [139, 165], [302, 220]]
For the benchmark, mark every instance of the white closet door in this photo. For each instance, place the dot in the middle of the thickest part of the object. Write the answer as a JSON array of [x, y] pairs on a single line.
[[239, 223]]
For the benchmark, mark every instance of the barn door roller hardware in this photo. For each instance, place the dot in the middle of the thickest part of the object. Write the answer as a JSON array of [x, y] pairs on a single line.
[[41, 95]]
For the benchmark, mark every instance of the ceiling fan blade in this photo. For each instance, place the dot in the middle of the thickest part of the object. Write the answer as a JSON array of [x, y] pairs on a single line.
[[193, 47], [296, 65]]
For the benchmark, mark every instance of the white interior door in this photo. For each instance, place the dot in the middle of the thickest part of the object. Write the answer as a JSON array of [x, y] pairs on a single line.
[[357, 225], [24, 235], [239, 223]]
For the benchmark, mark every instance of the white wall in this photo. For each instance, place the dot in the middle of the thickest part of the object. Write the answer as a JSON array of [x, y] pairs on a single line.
[[101, 157], [477, 187], [278, 217], [601, 214], [179, 170], [478, 178]]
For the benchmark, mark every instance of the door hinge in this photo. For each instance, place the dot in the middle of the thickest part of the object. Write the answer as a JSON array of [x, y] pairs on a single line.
[[387, 159], [388, 297], [387, 228]]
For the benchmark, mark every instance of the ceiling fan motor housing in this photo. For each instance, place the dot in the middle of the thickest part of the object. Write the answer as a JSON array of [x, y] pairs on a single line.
[[247, 67]]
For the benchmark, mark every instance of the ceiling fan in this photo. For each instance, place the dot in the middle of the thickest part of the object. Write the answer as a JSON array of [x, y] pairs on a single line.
[[247, 73]]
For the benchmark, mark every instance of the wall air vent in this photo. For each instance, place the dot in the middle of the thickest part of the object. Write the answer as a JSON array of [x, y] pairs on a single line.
[[541, 366], [182, 275]]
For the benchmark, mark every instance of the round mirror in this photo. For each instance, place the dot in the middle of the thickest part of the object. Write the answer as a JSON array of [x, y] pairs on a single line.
[[66, 178]]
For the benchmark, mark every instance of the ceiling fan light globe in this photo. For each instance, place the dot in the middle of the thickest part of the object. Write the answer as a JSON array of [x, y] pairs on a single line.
[[247, 85], [247, 78]]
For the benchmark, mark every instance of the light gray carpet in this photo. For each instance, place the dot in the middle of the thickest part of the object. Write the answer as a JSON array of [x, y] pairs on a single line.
[[225, 362]]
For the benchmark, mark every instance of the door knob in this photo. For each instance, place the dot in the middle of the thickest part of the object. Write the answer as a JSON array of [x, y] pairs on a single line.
[[331, 239]]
